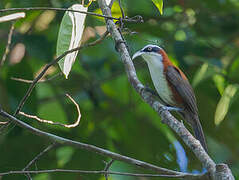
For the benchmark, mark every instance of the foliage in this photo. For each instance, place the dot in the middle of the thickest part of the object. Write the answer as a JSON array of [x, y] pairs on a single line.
[[200, 36]]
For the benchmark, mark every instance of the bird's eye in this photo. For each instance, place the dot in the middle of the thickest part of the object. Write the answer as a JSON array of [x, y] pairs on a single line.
[[149, 48]]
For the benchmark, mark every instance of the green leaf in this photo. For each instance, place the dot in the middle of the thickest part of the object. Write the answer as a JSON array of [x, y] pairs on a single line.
[[64, 155], [159, 5], [224, 103], [200, 74], [69, 36], [219, 81]]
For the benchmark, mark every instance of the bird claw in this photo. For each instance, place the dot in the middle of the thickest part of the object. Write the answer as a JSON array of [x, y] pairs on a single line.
[[182, 122], [169, 108]]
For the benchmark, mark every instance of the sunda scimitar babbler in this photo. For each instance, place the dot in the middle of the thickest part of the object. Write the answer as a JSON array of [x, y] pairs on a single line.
[[172, 87]]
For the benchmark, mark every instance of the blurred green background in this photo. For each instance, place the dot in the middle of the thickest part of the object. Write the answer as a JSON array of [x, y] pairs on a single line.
[[201, 37]]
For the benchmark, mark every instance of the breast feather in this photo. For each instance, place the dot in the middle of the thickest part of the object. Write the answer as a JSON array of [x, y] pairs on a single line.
[[159, 81]]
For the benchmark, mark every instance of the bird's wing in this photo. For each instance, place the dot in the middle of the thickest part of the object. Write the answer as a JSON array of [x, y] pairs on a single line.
[[182, 87]]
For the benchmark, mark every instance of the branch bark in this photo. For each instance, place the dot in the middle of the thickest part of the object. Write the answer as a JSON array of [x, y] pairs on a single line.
[[167, 118], [89, 172]]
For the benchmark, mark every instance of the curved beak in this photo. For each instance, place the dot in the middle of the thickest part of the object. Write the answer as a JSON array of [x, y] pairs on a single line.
[[138, 53]]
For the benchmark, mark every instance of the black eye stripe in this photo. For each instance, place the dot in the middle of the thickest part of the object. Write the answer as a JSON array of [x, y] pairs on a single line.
[[151, 49], [155, 49]]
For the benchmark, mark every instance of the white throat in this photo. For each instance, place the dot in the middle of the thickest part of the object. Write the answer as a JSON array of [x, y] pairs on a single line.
[[156, 69]]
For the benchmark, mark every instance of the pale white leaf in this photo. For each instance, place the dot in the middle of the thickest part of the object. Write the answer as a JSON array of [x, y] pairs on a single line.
[[70, 36], [12, 17]]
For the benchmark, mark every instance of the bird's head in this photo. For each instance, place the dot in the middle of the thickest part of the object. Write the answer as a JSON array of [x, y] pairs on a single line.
[[150, 52]]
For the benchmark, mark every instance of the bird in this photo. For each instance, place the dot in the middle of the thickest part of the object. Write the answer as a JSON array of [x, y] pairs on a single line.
[[173, 87]]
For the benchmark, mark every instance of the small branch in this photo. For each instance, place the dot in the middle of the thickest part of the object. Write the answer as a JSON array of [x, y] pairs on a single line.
[[12, 17], [107, 167], [31, 81], [38, 156], [57, 123], [111, 3], [8, 44], [90, 172], [92, 148]]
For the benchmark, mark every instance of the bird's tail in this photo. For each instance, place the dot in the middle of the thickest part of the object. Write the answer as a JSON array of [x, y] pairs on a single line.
[[198, 132], [193, 120]]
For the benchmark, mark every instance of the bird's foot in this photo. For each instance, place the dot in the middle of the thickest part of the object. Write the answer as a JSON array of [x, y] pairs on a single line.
[[182, 122], [169, 108]]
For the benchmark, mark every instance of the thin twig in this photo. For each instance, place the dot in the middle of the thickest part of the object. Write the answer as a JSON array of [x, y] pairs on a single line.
[[8, 44], [121, 9], [95, 149], [111, 3], [57, 123], [28, 176], [107, 167], [121, 24], [38, 156], [65, 9], [93, 172], [31, 81], [56, 9]]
